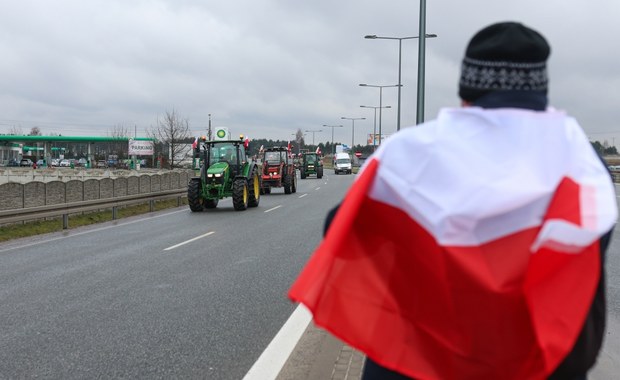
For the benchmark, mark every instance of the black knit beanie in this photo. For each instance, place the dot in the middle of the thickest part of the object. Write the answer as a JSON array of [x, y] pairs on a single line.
[[505, 56]]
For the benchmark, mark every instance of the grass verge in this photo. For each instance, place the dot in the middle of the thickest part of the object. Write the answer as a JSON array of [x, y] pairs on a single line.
[[37, 227]]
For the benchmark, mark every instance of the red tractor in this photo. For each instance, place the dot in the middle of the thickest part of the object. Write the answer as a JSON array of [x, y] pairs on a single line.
[[278, 170]]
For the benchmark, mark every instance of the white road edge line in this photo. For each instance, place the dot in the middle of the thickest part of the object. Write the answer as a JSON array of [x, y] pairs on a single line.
[[70, 234], [270, 362], [189, 241], [301, 196], [271, 209]]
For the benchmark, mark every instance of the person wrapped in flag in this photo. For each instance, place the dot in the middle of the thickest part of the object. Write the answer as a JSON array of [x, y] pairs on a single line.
[[472, 246]]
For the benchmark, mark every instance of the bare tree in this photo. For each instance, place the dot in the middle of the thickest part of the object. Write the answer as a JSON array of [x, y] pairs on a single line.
[[35, 131], [299, 138], [16, 130], [174, 132], [120, 147], [119, 130]]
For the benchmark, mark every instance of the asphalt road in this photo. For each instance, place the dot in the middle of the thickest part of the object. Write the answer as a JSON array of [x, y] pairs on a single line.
[[608, 364], [138, 298]]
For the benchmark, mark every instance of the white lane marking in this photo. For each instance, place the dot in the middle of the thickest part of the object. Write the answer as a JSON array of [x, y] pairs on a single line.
[[271, 209], [70, 235], [271, 361], [317, 188], [301, 196], [189, 241]]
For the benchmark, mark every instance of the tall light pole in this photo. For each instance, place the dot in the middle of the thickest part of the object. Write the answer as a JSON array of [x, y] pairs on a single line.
[[419, 116], [400, 44], [209, 131], [374, 129], [318, 130], [353, 128], [380, 100], [332, 127]]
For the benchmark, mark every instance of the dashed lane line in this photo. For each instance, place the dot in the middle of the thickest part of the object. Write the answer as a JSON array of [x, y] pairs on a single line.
[[273, 208], [189, 241], [303, 195]]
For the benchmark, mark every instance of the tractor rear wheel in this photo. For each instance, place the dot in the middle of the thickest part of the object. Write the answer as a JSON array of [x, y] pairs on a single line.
[[294, 182], [319, 172], [302, 173], [255, 190], [287, 184], [194, 198], [240, 194]]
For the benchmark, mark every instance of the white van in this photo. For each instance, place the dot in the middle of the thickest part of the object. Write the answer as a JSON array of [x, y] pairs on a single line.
[[342, 163]]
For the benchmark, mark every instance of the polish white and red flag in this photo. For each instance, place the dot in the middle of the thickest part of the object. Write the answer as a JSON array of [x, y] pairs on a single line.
[[195, 143], [467, 247]]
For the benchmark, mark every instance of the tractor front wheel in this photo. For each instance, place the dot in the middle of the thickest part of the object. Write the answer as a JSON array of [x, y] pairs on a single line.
[[194, 196], [240, 196]]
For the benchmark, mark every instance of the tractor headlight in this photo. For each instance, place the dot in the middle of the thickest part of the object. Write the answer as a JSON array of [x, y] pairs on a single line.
[[217, 175], [209, 175]]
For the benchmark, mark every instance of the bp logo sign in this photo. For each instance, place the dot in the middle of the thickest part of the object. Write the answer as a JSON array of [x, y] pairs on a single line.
[[222, 134]]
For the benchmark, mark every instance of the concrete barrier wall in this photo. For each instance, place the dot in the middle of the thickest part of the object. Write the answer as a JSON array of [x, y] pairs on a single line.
[[74, 191], [55, 193], [91, 189], [11, 196], [36, 193]]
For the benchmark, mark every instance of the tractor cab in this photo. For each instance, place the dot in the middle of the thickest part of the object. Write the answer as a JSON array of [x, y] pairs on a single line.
[[231, 153]]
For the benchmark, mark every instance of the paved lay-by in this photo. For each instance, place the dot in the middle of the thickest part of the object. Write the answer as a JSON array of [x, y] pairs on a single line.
[[319, 355]]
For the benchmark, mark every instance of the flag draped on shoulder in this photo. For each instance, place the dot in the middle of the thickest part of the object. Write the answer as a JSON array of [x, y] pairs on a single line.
[[467, 247]]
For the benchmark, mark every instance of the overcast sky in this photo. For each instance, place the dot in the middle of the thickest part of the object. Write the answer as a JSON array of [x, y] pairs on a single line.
[[268, 67]]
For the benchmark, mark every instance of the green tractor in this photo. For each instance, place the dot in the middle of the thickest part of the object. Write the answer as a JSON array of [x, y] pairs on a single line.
[[311, 164], [225, 171]]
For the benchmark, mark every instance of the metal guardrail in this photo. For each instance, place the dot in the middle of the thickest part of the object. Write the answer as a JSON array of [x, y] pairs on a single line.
[[65, 209]]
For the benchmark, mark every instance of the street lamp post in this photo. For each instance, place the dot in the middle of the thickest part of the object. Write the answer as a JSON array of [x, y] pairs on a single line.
[[209, 131], [380, 100], [374, 129], [332, 127], [318, 130], [400, 44], [353, 128], [419, 116]]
